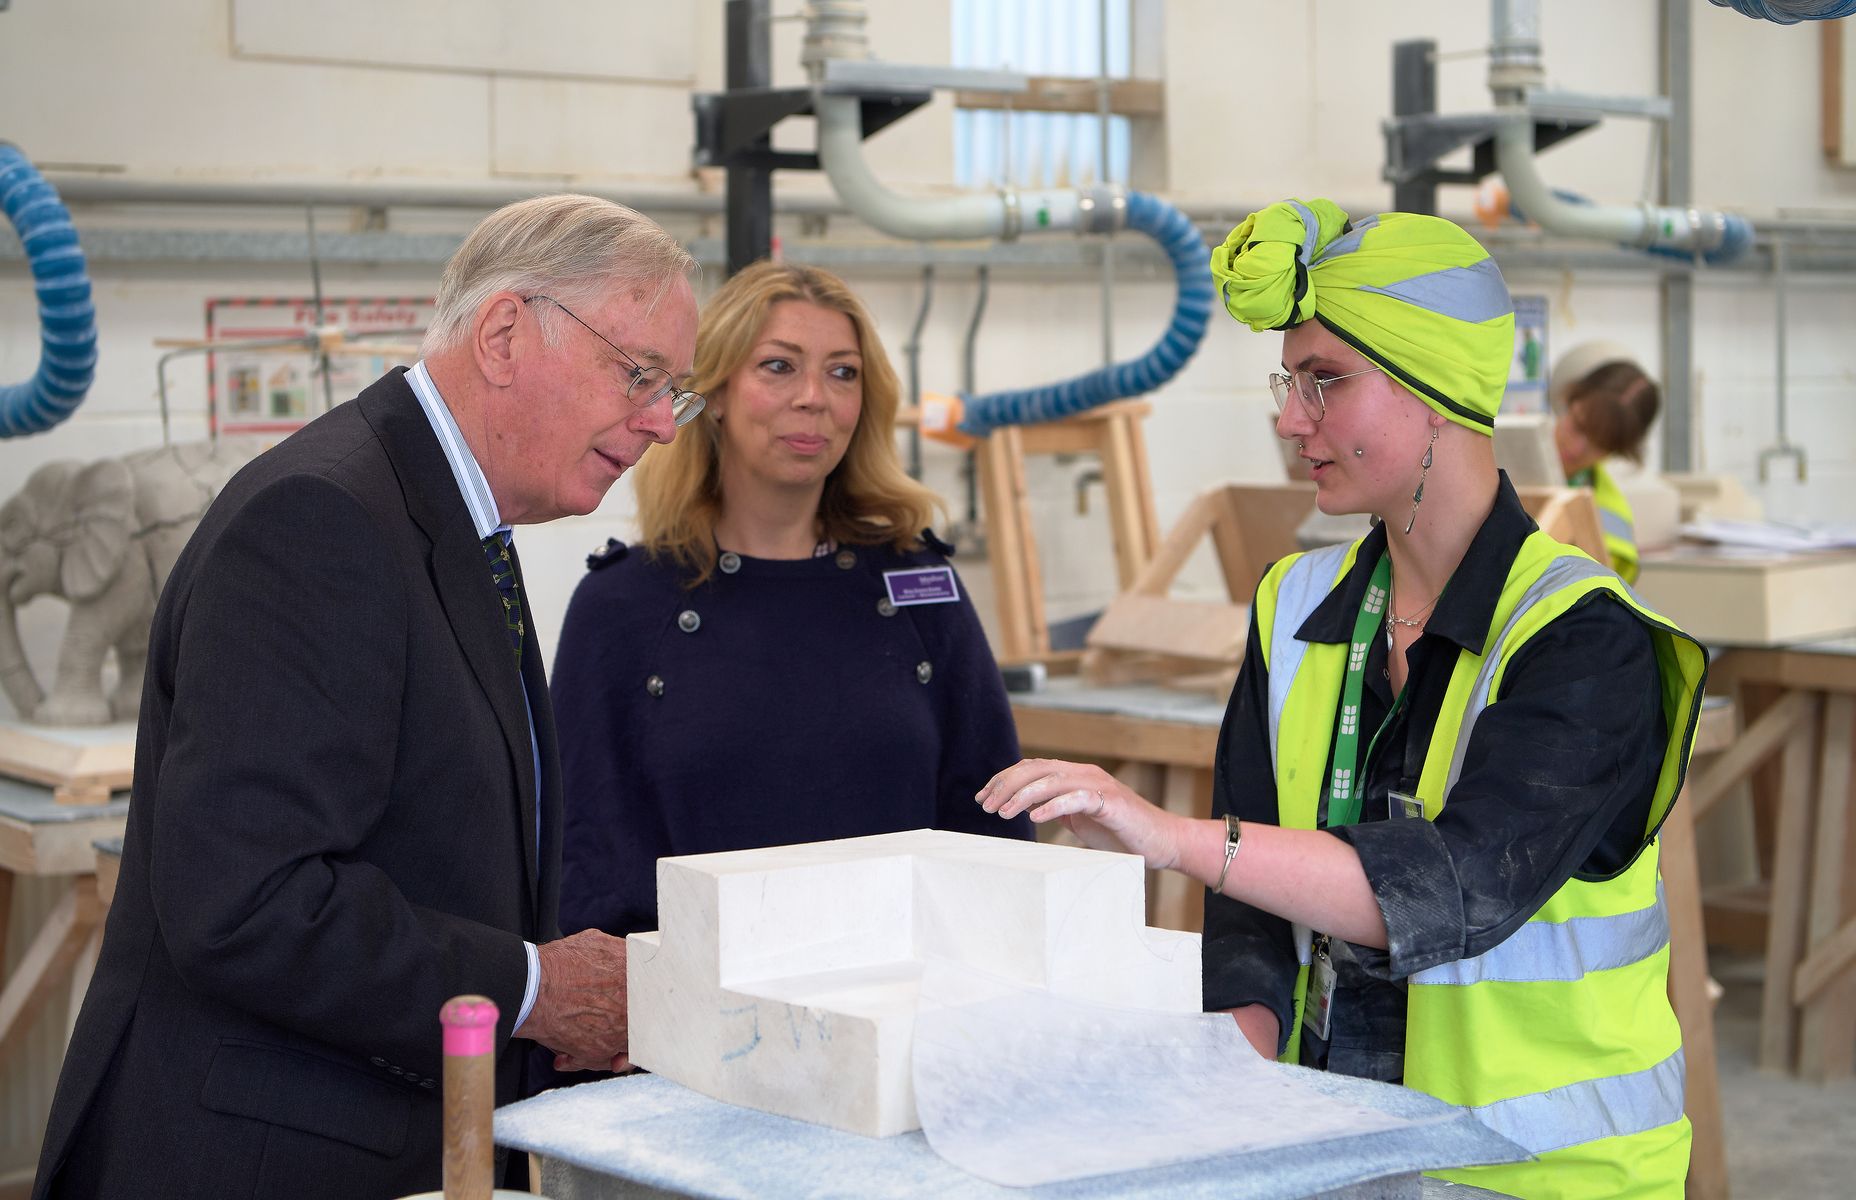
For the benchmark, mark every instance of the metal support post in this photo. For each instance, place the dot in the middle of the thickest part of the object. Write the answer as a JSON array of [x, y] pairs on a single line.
[[1414, 92], [1678, 287], [749, 188]]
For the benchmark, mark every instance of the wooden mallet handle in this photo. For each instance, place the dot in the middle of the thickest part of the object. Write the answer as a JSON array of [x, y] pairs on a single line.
[[470, 1095]]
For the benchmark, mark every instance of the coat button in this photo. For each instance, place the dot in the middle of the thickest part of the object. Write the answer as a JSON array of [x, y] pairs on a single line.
[[396, 1070], [847, 559], [924, 671], [426, 1083], [886, 607], [730, 562], [655, 685], [377, 1061], [689, 621]]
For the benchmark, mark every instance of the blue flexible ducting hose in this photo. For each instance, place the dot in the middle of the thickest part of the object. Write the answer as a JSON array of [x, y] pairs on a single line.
[[67, 318], [1181, 240], [1790, 12]]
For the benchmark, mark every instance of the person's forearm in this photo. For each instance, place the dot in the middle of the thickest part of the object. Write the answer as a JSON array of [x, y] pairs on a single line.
[[1259, 1027], [1303, 875]]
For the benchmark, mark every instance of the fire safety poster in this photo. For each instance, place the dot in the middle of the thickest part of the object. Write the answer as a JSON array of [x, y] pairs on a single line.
[[265, 372]]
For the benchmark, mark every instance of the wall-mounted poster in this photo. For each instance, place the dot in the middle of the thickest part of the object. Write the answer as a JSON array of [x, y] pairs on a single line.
[[1527, 374], [278, 389]]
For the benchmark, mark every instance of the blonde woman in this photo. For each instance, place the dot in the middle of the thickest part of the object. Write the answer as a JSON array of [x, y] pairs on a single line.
[[786, 655]]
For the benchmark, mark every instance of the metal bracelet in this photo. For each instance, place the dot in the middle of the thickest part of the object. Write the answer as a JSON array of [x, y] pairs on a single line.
[[1233, 835]]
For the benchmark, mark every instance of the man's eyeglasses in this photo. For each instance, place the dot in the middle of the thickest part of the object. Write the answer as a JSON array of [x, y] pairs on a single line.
[[648, 384], [1307, 388]]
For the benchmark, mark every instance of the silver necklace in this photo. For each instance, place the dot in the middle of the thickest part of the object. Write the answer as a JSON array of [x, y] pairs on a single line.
[[1415, 621]]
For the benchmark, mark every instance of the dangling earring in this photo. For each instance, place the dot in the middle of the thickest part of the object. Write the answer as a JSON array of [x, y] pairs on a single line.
[[1417, 497]]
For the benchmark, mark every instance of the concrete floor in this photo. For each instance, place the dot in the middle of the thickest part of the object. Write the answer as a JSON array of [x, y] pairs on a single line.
[[1785, 1137]]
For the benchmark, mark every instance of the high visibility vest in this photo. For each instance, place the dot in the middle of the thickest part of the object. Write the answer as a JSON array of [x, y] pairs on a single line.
[[1561, 1037], [1616, 521]]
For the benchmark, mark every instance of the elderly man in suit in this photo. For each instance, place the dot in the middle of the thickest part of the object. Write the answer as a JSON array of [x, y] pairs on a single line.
[[347, 801]]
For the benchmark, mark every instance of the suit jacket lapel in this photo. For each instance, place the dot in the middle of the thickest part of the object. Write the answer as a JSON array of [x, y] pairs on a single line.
[[465, 586]]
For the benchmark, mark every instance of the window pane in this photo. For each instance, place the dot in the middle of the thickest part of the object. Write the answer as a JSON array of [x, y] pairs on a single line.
[[1039, 37]]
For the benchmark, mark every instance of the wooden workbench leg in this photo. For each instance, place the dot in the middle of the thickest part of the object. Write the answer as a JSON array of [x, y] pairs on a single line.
[[1130, 498], [1176, 896], [1147, 780], [6, 912], [1017, 581], [47, 962], [1786, 926], [1688, 994], [1827, 1025]]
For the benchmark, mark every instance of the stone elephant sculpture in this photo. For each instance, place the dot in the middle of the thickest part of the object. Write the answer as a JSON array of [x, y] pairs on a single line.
[[103, 536]]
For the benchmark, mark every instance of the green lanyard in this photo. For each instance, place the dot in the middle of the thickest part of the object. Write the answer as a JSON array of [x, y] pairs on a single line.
[[1346, 787]]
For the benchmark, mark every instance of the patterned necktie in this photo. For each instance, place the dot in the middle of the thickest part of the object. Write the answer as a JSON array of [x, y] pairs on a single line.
[[503, 570]]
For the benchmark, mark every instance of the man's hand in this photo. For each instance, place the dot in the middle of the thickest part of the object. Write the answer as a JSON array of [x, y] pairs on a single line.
[[579, 1010]]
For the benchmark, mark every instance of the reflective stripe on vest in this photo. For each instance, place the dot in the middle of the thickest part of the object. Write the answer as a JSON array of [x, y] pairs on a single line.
[[1560, 573], [1541, 951], [1590, 1110], [1616, 526], [1305, 584]]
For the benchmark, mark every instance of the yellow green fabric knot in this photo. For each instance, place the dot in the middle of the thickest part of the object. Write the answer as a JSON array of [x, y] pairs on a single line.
[[1414, 294]]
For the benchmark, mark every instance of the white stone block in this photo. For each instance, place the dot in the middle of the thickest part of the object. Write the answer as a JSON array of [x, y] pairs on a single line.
[[787, 979]]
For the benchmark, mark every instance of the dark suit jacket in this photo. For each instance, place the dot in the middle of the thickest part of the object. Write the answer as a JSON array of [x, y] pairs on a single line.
[[332, 832]]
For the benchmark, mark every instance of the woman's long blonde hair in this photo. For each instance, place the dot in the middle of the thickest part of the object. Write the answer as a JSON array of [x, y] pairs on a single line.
[[868, 499]]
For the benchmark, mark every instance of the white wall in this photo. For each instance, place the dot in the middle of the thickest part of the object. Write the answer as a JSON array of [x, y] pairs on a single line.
[[1264, 100]]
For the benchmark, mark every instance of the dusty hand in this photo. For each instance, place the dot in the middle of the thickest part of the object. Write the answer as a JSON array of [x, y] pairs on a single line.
[[1095, 806], [579, 1010]]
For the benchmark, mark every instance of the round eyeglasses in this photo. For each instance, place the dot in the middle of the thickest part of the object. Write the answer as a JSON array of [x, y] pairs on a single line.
[[648, 384], [1307, 388]]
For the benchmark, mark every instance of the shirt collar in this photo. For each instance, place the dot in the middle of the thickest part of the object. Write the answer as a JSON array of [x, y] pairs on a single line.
[[1466, 608], [464, 469]]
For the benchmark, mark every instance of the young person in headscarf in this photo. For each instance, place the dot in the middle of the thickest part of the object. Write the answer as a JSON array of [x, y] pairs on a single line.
[[1604, 404], [1432, 858]]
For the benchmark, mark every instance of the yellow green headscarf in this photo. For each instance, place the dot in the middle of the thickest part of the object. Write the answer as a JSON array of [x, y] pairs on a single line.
[[1414, 294]]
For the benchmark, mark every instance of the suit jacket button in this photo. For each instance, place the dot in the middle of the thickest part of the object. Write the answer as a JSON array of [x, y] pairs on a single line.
[[847, 559], [379, 1062], [426, 1083], [689, 620], [396, 1070], [730, 562], [886, 607], [655, 685], [924, 671]]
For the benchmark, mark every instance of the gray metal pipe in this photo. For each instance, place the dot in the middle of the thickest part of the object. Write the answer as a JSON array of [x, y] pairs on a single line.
[[83, 188]]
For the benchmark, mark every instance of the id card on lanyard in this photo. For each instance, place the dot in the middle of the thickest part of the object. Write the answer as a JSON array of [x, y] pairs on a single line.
[[1346, 786]]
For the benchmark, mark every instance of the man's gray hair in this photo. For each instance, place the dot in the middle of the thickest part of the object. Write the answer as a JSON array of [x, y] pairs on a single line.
[[572, 247]]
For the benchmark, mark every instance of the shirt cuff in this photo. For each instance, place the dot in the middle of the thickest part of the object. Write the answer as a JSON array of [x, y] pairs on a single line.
[[1414, 879], [534, 986]]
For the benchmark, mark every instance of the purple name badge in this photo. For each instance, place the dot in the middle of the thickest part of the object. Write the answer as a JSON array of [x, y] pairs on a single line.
[[923, 585]]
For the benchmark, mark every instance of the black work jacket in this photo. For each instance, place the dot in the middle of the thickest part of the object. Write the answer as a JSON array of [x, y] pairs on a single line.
[[1556, 781]]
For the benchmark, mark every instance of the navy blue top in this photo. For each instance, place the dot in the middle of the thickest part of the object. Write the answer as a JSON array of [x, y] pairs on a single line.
[[782, 702]]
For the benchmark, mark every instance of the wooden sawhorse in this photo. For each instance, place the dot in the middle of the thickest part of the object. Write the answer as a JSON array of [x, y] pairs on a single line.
[[1800, 705], [39, 836]]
